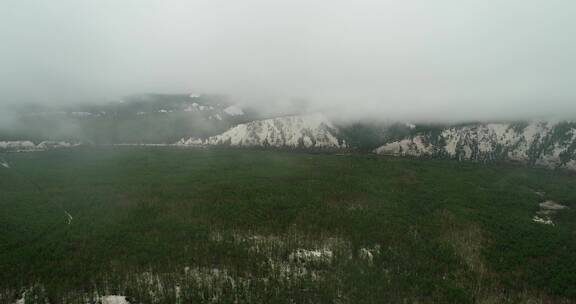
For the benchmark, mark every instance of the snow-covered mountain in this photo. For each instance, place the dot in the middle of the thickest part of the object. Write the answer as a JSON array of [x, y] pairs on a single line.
[[549, 144], [28, 146], [302, 131]]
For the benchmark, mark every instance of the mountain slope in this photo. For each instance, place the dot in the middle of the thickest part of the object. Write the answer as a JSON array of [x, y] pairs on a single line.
[[548, 144], [26, 145], [306, 131], [145, 118]]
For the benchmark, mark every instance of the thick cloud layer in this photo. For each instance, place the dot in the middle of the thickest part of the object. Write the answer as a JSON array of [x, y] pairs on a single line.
[[397, 59]]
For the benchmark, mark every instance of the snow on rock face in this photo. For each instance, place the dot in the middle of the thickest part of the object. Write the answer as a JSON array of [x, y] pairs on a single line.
[[190, 142], [17, 145], [546, 144], [233, 111], [415, 146], [309, 131], [28, 146], [571, 165], [55, 144]]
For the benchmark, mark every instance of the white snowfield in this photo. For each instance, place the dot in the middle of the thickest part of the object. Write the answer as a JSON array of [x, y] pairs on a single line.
[[308, 131], [26, 146], [114, 300], [541, 143]]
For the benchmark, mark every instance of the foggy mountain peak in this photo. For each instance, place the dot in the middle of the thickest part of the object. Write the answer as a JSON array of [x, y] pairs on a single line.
[[395, 60]]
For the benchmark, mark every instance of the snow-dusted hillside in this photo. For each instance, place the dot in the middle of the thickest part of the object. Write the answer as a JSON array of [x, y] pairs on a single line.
[[28, 146], [547, 144], [306, 131]]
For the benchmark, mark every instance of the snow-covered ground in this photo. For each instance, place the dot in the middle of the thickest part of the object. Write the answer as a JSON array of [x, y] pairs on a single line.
[[4, 163], [316, 256], [288, 260], [547, 210], [114, 300]]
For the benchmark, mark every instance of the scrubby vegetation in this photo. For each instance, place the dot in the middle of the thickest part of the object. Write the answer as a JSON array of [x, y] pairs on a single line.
[[165, 225]]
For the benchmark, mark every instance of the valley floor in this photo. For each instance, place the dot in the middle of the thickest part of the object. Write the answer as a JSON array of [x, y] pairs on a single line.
[[168, 225]]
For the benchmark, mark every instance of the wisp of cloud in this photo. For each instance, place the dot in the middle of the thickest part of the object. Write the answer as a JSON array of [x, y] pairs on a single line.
[[399, 60]]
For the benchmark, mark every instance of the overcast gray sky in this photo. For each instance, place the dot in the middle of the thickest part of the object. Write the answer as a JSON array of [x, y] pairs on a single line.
[[404, 59]]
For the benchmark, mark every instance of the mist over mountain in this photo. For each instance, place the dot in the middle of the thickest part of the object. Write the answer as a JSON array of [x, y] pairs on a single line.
[[369, 77], [287, 151], [394, 60]]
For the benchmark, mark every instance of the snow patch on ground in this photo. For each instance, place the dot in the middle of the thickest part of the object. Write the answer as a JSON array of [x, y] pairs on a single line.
[[547, 210], [4, 164], [368, 253], [316, 256], [22, 300], [114, 300], [288, 261], [542, 220], [69, 217], [551, 205]]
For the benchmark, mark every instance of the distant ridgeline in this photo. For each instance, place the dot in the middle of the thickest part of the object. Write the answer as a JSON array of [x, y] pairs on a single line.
[[146, 118], [212, 120], [548, 144], [311, 131]]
